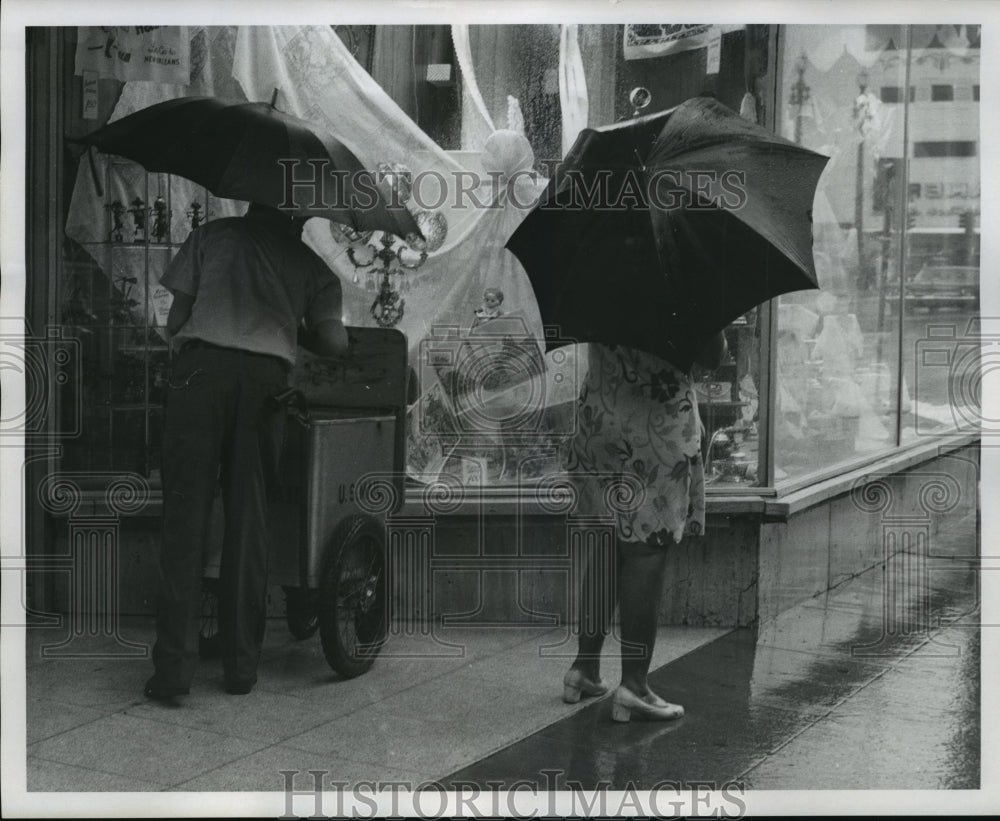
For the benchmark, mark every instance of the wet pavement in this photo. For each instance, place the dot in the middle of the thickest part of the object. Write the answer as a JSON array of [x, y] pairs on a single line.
[[841, 692], [874, 684]]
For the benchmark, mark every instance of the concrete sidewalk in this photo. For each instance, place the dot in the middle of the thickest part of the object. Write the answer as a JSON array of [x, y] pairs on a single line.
[[822, 697], [431, 704]]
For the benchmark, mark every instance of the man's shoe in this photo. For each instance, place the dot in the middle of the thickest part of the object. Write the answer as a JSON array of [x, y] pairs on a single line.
[[239, 687], [157, 690]]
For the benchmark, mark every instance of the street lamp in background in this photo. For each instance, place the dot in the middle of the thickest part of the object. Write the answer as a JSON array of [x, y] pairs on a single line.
[[889, 206], [800, 94], [863, 116]]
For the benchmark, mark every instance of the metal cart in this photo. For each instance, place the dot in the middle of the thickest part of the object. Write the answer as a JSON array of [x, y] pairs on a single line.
[[328, 555]]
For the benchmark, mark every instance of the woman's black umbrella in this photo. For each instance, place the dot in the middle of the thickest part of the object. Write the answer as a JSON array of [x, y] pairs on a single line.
[[658, 232], [254, 152]]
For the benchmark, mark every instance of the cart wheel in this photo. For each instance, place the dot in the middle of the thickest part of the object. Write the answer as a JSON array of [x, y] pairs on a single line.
[[301, 613], [353, 617], [209, 646]]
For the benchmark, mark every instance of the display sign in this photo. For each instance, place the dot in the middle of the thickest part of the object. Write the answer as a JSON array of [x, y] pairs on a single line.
[[657, 40], [158, 53]]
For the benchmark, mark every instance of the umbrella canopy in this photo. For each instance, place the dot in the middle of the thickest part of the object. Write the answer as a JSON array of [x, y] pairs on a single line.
[[252, 152], [658, 232]]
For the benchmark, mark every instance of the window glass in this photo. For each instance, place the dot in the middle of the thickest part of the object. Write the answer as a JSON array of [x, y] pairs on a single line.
[[112, 302], [942, 93], [491, 410], [837, 356], [940, 282], [466, 426], [869, 359]]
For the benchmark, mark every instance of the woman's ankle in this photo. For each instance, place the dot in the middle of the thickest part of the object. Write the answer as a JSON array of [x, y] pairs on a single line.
[[636, 684], [591, 668]]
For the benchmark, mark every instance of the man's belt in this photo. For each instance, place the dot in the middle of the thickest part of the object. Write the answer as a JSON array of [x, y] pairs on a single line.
[[200, 344]]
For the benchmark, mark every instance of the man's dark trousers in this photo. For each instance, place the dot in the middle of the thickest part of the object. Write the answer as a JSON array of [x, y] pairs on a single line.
[[220, 427]]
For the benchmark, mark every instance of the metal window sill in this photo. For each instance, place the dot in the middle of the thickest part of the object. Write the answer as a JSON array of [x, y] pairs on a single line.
[[789, 502], [773, 504]]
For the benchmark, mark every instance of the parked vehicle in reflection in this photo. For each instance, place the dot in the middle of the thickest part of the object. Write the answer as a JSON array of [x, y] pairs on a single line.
[[940, 286]]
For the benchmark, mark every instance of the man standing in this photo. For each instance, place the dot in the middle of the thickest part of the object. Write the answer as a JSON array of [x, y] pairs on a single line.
[[241, 288]]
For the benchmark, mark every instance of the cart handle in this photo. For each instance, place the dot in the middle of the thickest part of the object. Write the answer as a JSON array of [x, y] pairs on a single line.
[[293, 401]]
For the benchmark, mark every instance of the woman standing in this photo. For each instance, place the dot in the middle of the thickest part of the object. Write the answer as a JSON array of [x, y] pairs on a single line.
[[638, 444]]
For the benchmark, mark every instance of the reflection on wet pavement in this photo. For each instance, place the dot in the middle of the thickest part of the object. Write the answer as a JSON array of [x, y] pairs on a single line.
[[842, 692]]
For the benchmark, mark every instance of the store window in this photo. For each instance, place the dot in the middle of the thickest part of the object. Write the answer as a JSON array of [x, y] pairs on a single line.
[[511, 80], [895, 238], [122, 227], [111, 301], [492, 410]]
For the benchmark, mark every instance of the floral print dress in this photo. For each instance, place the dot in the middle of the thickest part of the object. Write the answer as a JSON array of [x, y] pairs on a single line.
[[637, 450]]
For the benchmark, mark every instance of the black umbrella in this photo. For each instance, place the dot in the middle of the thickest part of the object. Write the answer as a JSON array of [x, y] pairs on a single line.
[[251, 151], [658, 232]]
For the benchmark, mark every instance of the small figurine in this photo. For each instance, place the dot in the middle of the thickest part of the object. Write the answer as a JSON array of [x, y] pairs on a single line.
[[161, 219], [490, 309], [195, 215], [138, 212], [117, 212]]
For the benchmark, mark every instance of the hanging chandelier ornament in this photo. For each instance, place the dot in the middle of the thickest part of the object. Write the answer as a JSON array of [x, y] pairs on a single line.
[[384, 254]]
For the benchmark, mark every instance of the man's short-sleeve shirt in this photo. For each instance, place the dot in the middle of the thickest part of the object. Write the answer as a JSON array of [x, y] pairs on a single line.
[[252, 283]]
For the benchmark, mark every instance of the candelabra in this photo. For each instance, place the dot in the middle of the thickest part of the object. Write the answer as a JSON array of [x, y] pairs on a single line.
[[385, 256]]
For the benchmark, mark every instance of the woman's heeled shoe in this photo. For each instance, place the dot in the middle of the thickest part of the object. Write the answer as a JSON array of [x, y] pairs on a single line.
[[625, 705], [576, 684]]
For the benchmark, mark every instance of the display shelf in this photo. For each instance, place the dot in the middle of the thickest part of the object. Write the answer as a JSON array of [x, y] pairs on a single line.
[[112, 293], [730, 449]]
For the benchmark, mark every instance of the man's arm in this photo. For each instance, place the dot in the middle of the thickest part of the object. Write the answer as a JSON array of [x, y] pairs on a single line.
[[324, 333], [181, 278], [180, 311]]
